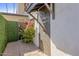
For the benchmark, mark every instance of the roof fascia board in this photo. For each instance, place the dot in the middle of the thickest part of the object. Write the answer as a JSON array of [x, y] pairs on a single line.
[[12, 14]]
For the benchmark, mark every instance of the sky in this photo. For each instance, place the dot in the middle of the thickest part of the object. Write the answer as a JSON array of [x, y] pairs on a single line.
[[8, 7]]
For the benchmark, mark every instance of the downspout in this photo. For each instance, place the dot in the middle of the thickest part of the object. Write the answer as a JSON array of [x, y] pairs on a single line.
[[52, 17]]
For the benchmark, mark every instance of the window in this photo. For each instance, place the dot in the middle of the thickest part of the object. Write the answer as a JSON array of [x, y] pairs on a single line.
[[8, 7], [45, 19]]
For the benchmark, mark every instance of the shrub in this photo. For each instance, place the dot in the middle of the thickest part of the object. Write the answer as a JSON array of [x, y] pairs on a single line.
[[12, 31], [3, 37], [28, 35]]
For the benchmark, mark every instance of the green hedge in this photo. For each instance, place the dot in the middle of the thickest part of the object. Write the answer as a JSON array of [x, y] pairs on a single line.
[[12, 31], [8, 32], [3, 35]]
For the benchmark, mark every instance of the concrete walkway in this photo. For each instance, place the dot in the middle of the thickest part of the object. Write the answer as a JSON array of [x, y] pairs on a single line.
[[19, 48]]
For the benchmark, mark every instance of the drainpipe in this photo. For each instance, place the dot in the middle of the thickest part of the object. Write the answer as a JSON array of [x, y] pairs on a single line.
[[52, 17], [51, 26]]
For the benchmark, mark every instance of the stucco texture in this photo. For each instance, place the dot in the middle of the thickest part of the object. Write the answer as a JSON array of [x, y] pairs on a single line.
[[65, 28]]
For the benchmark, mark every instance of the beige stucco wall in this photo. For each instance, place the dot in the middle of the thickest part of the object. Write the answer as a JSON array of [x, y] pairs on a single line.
[[45, 44], [20, 9]]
